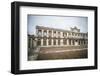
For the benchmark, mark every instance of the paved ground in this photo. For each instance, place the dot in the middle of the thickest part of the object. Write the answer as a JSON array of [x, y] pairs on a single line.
[[62, 53], [52, 53]]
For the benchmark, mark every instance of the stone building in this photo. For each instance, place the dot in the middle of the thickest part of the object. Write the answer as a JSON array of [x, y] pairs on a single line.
[[53, 37]]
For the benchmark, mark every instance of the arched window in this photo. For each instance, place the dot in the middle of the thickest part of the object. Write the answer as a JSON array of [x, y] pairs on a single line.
[[73, 42], [50, 34], [59, 34], [39, 42], [44, 42], [58, 41], [79, 42], [84, 42], [39, 33], [69, 41], [54, 42], [54, 34], [64, 41], [45, 33], [49, 41]]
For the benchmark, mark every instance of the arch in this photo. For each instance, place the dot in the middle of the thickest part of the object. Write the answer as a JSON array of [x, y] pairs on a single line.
[[49, 41], [44, 42], [38, 42], [54, 42]]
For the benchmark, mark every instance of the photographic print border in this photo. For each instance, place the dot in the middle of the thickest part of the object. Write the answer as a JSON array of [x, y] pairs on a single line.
[[15, 37]]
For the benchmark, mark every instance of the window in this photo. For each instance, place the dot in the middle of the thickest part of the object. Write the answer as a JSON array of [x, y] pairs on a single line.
[[72, 34], [79, 42], [58, 34], [69, 41], [73, 42], [58, 41], [50, 34], [49, 41], [67, 34], [84, 41], [54, 34], [39, 33], [39, 42], [44, 42], [54, 41], [78, 34], [64, 41], [45, 33]]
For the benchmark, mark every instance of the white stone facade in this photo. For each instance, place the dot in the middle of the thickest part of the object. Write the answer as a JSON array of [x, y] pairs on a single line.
[[58, 37]]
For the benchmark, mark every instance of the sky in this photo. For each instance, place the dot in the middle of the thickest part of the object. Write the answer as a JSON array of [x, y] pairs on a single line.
[[60, 22]]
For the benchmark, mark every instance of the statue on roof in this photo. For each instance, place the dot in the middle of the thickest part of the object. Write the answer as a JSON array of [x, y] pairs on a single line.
[[75, 29]]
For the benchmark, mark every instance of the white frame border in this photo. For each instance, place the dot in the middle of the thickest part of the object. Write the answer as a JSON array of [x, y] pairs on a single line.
[[24, 64]]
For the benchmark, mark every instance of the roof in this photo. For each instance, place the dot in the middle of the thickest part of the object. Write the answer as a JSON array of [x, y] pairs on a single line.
[[56, 29]]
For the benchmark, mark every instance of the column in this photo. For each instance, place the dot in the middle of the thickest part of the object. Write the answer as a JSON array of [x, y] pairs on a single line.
[[68, 34], [71, 35], [41, 42], [56, 41], [61, 34], [71, 42], [61, 41], [47, 42], [67, 41], [52, 42], [52, 38]]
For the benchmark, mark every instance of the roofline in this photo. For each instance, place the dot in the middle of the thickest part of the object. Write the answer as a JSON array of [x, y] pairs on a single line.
[[43, 27]]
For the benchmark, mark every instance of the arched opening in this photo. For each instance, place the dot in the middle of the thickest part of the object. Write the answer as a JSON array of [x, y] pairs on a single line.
[[38, 42], [69, 41], [58, 41], [54, 42], [44, 42], [64, 41], [49, 41]]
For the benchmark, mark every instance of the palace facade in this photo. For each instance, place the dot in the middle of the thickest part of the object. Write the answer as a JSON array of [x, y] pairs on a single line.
[[53, 37]]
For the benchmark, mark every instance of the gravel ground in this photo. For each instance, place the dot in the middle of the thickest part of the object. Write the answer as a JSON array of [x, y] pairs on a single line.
[[66, 54]]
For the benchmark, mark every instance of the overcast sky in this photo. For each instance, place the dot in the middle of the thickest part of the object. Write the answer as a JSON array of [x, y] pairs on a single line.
[[60, 22]]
